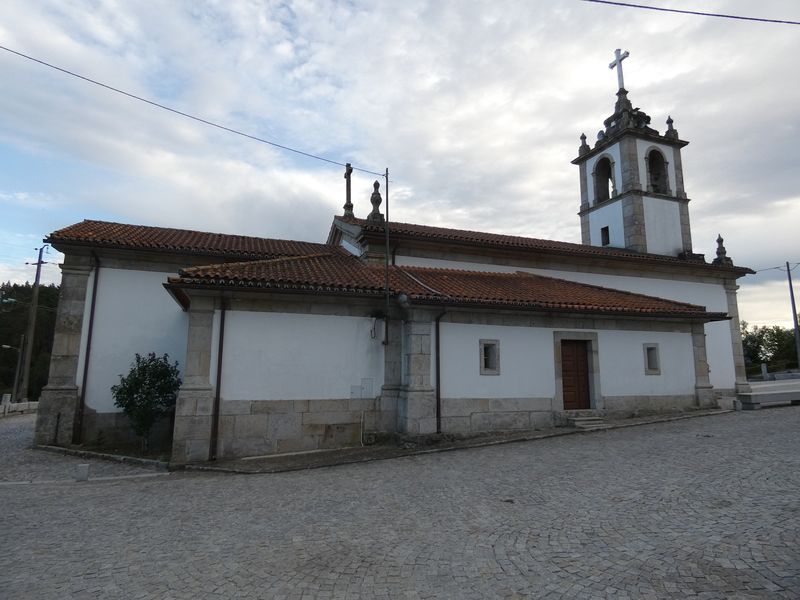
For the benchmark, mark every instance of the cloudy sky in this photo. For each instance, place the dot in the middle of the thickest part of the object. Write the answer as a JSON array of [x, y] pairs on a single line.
[[475, 107]]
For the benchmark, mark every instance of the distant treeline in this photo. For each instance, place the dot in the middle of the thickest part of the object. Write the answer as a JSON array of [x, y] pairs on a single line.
[[15, 300], [773, 346]]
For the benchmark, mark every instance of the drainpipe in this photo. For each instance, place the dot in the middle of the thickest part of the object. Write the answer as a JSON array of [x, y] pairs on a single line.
[[438, 375], [77, 430], [212, 451]]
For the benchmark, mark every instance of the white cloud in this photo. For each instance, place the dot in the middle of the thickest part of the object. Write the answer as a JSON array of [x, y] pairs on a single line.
[[476, 108]]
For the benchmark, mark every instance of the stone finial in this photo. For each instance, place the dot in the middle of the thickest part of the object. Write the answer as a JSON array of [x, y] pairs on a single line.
[[671, 131], [722, 254], [375, 216], [348, 204], [584, 146]]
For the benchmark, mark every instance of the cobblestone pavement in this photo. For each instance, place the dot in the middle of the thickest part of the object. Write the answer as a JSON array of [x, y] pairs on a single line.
[[698, 508], [28, 465]]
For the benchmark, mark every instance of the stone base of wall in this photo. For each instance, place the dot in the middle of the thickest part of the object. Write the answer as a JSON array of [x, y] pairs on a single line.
[[476, 415], [109, 429], [55, 417], [260, 427], [632, 406], [8, 409]]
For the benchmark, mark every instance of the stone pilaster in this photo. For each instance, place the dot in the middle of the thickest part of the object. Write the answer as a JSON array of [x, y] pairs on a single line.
[[704, 391], [416, 404], [680, 192], [386, 420], [629, 165], [633, 223], [191, 437], [55, 419], [736, 337], [686, 229]]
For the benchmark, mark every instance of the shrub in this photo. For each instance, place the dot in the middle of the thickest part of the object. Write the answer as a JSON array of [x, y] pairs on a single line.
[[148, 392]]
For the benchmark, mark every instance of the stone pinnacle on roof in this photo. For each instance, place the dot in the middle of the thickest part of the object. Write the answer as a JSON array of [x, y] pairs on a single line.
[[375, 216], [671, 131], [584, 146], [722, 254], [348, 204]]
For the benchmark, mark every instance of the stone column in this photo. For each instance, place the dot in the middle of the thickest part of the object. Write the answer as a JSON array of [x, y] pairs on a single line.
[[629, 166], [55, 419], [390, 391], [191, 437], [742, 387], [703, 390], [686, 228], [416, 405], [633, 222]]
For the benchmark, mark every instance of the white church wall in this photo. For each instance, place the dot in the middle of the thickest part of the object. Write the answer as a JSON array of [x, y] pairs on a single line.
[[526, 364], [613, 152], [278, 356], [607, 216], [712, 296], [133, 314], [642, 148], [622, 363], [662, 223]]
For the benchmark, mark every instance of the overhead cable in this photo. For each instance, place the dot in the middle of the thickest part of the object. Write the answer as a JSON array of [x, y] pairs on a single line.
[[184, 114], [693, 12]]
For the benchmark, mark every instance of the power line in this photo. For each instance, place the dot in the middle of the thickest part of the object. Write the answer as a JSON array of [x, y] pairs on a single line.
[[693, 12], [183, 114], [779, 268]]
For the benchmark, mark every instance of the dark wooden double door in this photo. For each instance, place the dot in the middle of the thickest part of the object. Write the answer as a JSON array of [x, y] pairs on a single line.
[[575, 374]]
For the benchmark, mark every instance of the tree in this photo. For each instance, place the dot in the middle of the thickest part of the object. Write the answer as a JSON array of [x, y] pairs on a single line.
[[148, 392], [772, 345]]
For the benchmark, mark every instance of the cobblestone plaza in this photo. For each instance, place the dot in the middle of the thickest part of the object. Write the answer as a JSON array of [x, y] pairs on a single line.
[[697, 508]]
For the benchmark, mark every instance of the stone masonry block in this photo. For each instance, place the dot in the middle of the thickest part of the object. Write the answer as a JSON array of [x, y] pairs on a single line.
[[284, 425], [427, 425], [272, 406], [337, 405], [331, 418], [361, 404], [192, 428], [250, 426], [500, 421], [456, 424], [234, 407], [297, 444]]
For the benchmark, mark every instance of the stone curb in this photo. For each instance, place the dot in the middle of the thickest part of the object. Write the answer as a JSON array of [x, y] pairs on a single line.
[[403, 453], [159, 465]]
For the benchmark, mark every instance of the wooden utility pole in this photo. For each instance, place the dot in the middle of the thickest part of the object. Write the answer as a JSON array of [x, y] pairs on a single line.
[[29, 339], [794, 313]]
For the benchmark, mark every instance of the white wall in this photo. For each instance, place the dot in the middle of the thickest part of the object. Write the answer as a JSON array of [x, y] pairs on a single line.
[[133, 313], [622, 367], [527, 368], [613, 152], [643, 147], [712, 296], [607, 216], [280, 356], [662, 221]]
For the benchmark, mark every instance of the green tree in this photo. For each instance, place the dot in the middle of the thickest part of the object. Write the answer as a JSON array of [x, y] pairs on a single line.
[[148, 392], [14, 307]]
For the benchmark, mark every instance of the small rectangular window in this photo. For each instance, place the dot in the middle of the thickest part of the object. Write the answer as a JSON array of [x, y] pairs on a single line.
[[605, 237], [652, 362], [490, 357]]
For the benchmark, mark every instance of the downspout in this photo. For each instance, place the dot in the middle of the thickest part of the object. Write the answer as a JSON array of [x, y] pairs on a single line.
[[438, 375], [212, 451], [77, 430]]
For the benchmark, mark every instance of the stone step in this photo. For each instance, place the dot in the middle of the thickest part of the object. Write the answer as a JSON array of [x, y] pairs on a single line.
[[588, 423]]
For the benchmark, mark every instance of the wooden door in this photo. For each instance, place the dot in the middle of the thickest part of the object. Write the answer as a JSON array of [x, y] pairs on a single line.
[[575, 374]]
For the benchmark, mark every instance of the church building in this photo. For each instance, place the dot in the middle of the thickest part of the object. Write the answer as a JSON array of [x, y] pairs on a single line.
[[399, 328]]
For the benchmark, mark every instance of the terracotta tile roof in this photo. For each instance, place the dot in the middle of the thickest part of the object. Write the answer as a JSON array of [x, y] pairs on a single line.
[[120, 235], [339, 273], [496, 240]]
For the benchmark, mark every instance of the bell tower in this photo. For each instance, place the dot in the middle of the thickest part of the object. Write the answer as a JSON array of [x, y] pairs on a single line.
[[632, 193]]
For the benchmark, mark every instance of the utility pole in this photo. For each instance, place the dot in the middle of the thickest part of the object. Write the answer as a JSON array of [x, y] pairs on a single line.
[[26, 365], [794, 314]]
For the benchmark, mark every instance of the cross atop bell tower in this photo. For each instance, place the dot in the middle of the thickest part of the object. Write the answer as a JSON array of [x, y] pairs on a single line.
[[617, 62], [632, 193]]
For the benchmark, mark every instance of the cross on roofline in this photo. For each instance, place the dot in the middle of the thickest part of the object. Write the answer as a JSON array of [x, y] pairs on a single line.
[[617, 62]]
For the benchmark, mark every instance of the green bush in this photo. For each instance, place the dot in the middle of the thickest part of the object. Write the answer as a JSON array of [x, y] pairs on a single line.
[[148, 392]]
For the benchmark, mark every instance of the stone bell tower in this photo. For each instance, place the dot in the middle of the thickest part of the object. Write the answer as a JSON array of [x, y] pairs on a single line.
[[632, 193]]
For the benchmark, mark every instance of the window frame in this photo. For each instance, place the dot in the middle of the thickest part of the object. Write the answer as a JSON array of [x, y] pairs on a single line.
[[649, 369], [484, 370]]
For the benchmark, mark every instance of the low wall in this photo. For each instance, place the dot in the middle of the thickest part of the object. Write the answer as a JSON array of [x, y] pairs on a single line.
[[477, 415], [17, 408]]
